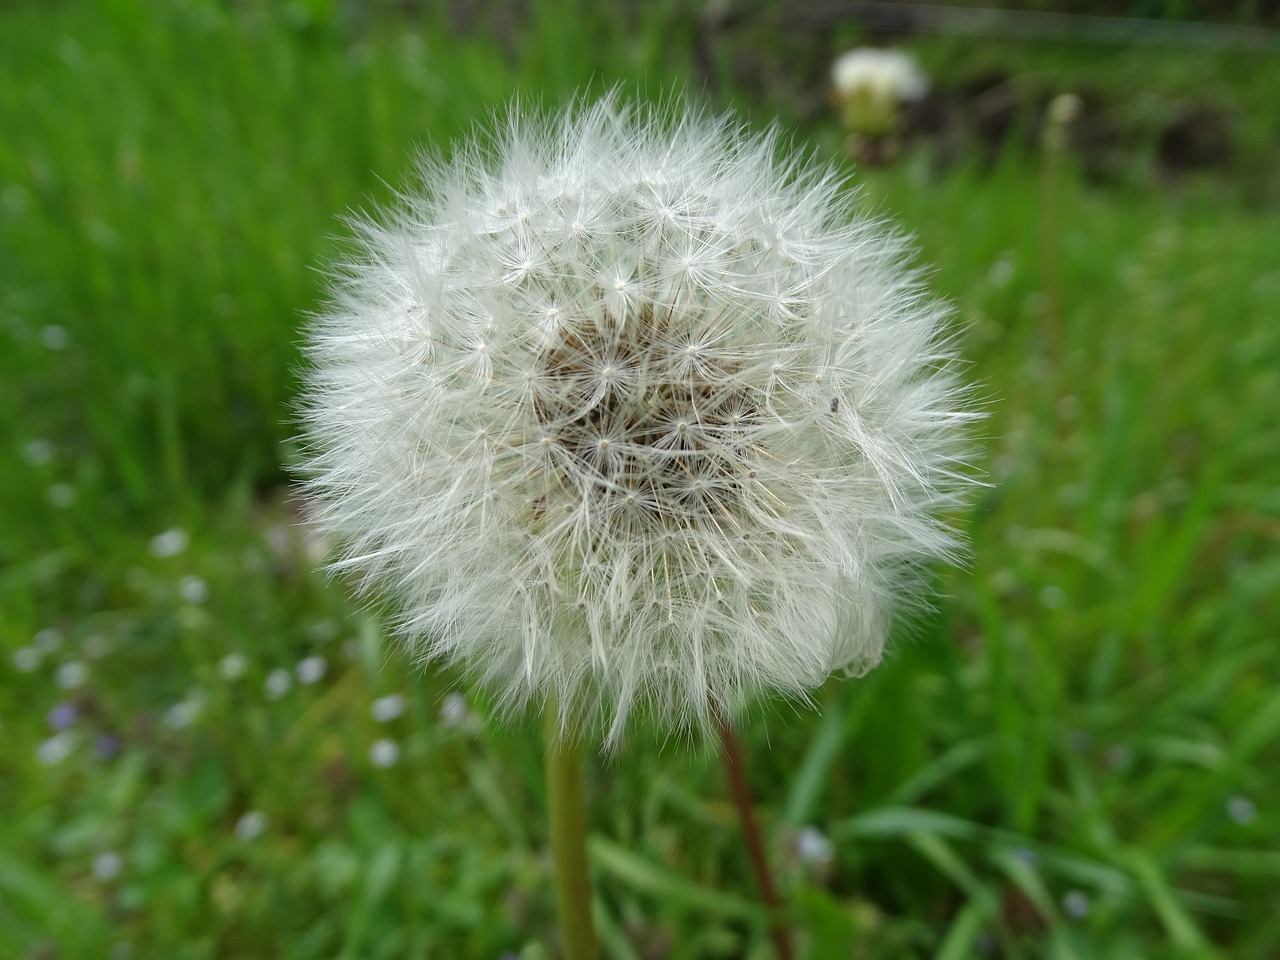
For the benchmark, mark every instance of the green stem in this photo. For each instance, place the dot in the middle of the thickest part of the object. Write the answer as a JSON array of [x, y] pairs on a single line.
[[567, 814]]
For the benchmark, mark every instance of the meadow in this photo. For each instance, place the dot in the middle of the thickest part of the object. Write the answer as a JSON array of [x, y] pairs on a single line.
[[211, 751]]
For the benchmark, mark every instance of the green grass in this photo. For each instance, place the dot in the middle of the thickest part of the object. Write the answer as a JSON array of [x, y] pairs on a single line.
[[1091, 715]]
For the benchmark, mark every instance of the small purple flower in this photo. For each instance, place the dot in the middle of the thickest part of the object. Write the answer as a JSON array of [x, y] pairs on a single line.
[[106, 746], [62, 716]]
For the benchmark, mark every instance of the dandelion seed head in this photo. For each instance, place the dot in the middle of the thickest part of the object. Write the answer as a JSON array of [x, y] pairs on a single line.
[[640, 492]]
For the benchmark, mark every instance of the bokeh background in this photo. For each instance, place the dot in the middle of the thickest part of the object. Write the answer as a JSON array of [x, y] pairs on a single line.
[[209, 752]]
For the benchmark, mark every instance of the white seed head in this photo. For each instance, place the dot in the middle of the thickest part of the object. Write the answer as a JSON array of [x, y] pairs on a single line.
[[705, 480], [889, 74]]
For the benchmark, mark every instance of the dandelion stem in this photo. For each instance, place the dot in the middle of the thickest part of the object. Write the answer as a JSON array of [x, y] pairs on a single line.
[[735, 769], [567, 814]]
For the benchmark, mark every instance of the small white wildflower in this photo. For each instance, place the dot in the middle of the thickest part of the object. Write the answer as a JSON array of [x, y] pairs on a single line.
[[72, 675], [870, 83], [107, 865], [48, 640], [1065, 108], [813, 847], [454, 710], [232, 666], [1075, 904], [55, 337], [278, 683], [170, 543], [96, 646], [193, 589], [39, 451], [251, 825], [311, 669], [183, 713], [1242, 810], [55, 749], [635, 415], [27, 659], [387, 708], [384, 753]]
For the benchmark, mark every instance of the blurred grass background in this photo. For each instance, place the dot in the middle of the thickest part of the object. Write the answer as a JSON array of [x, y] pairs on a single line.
[[209, 752]]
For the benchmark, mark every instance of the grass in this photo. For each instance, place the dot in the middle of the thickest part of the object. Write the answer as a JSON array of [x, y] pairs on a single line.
[[1071, 757]]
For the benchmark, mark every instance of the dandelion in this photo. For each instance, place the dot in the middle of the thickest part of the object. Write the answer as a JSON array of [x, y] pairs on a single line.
[[868, 85], [634, 414], [629, 414]]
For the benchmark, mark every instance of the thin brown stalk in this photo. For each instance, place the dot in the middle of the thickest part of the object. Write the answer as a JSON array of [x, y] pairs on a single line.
[[736, 772]]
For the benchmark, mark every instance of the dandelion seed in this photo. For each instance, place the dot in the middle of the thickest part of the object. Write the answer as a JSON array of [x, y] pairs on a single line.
[[311, 669], [384, 753], [715, 480], [251, 825], [387, 708], [277, 683], [108, 865], [72, 675], [169, 544]]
